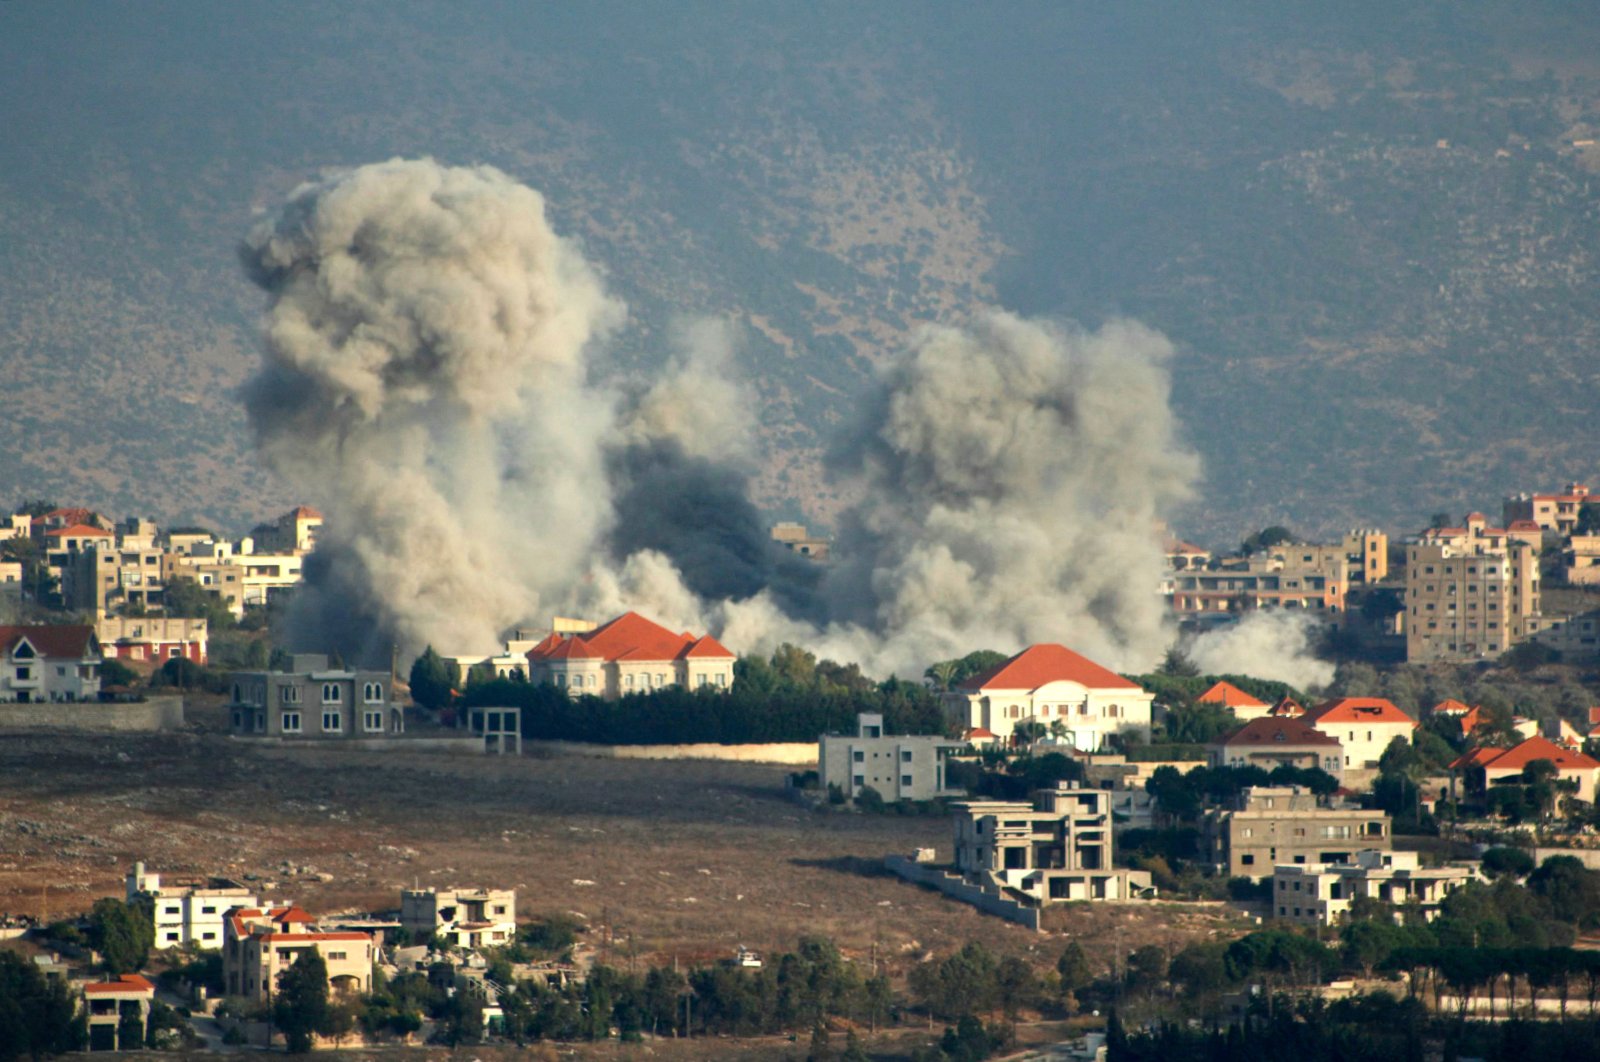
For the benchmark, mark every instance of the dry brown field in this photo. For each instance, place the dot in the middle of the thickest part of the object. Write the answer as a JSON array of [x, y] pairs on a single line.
[[662, 860]]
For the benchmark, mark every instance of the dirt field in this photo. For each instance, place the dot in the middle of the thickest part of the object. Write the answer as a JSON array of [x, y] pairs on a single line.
[[662, 859]]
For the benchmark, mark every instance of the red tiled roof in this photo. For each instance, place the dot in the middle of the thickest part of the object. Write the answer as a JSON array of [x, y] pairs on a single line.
[[543, 649], [288, 915], [1229, 696], [1477, 757], [572, 648], [1450, 707], [1538, 748], [304, 512], [125, 983], [707, 647], [1523, 525], [635, 637], [59, 640], [77, 531], [1286, 708], [1039, 665], [1359, 710], [980, 732], [75, 514], [1594, 714], [1271, 731]]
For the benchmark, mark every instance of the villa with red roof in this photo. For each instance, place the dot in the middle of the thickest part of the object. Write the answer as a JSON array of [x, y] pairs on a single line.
[[630, 654], [1226, 695], [1483, 767], [1364, 726], [1049, 684], [49, 662], [259, 945], [1270, 742]]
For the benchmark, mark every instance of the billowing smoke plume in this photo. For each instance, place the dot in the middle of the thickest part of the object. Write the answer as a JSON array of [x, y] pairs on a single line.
[[1269, 645], [427, 385]]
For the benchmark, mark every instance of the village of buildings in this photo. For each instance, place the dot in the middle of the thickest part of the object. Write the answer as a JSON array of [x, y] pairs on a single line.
[[1309, 836]]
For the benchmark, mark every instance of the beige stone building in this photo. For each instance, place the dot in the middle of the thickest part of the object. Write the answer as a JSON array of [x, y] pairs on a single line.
[[1553, 513], [259, 945], [1057, 848], [1312, 577], [1364, 727], [1272, 741], [106, 1002], [1319, 894], [896, 766], [1581, 561], [466, 918], [1471, 593], [797, 539], [1288, 825]]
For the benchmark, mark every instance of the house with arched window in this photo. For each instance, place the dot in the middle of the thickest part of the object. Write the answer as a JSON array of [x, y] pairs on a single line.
[[313, 699], [1054, 688]]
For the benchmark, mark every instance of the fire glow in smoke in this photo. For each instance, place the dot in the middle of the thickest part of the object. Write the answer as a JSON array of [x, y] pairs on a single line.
[[429, 385]]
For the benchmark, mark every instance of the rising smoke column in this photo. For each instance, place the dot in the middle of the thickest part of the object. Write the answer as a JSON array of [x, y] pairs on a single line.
[[1011, 473], [425, 385]]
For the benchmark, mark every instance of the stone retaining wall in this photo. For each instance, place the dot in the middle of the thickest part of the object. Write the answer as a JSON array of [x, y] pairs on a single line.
[[157, 713], [793, 754]]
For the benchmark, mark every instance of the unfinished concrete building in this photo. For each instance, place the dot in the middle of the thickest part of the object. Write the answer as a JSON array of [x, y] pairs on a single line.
[[1057, 848]]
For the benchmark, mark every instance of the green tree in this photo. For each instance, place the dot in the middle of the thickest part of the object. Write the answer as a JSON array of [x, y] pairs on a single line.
[[1507, 862], [122, 933], [431, 680], [185, 597], [1177, 663], [37, 1015], [1265, 539], [301, 1008], [1073, 968]]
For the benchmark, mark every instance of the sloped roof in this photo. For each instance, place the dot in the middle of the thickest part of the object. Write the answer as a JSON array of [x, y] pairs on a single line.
[[1039, 665], [706, 648], [304, 512], [572, 648], [550, 642], [1286, 708], [1477, 757], [72, 514], [77, 531], [1538, 748], [1270, 731], [1523, 525], [69, 640], [1359, 710], [1229, 696], [1450, 707]]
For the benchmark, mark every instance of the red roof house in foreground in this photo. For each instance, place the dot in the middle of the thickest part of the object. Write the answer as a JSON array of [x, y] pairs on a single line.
[[1482, 767], [630, 654], [1048, 684]]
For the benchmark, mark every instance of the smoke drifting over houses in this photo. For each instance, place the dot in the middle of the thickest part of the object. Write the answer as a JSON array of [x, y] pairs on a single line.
[[429, 384]]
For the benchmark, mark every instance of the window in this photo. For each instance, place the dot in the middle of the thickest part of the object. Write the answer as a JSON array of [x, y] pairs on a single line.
[[858, 756], [372, 721], [291, 722], [208, 910], [722, 680], [372, 692], [290, 695], [172, 936], [905, 755], [860, 780], [332, 722], [24, 673], [700, 680], [628, 681], [331, 693], [1248, 860], [336, 956], [905, 781]]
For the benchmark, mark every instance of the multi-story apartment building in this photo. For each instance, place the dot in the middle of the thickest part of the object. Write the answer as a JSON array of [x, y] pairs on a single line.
[[103, 577], [49, 663], [1472, 592], [1556, 514], [466, 918], [1316, 578], [1288, 825], [1057, 848], [1581, 560], [259, 945], [152, 639], [293, 532], [897, 767], [1321, 893], [1047, 684], [629, 654], [188, 912], [314, 700]]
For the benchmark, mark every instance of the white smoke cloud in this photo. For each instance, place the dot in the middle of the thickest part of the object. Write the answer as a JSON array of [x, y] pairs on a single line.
[[427, 383], [1272, 645]]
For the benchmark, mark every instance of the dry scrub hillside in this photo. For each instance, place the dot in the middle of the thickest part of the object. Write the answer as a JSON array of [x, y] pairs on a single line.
[[662, 859]]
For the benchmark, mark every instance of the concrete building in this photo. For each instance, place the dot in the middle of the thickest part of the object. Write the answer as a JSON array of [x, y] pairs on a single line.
[[1057, 848], [1573, 638], [259, 945], [500, 728], [187, 912], [314, 700], [1320, 894], [1364, 727], [152, 639], [1271, 742], [898, 767], [49, 663], [1553, 513], [796, 539], [1288, 825], [467, 918], [293, 532], [1315, 578], [1471, 593], [1581, 561], [102, 577], [630, 654], [1481, 768], [1047, 684], [106, 1002]]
